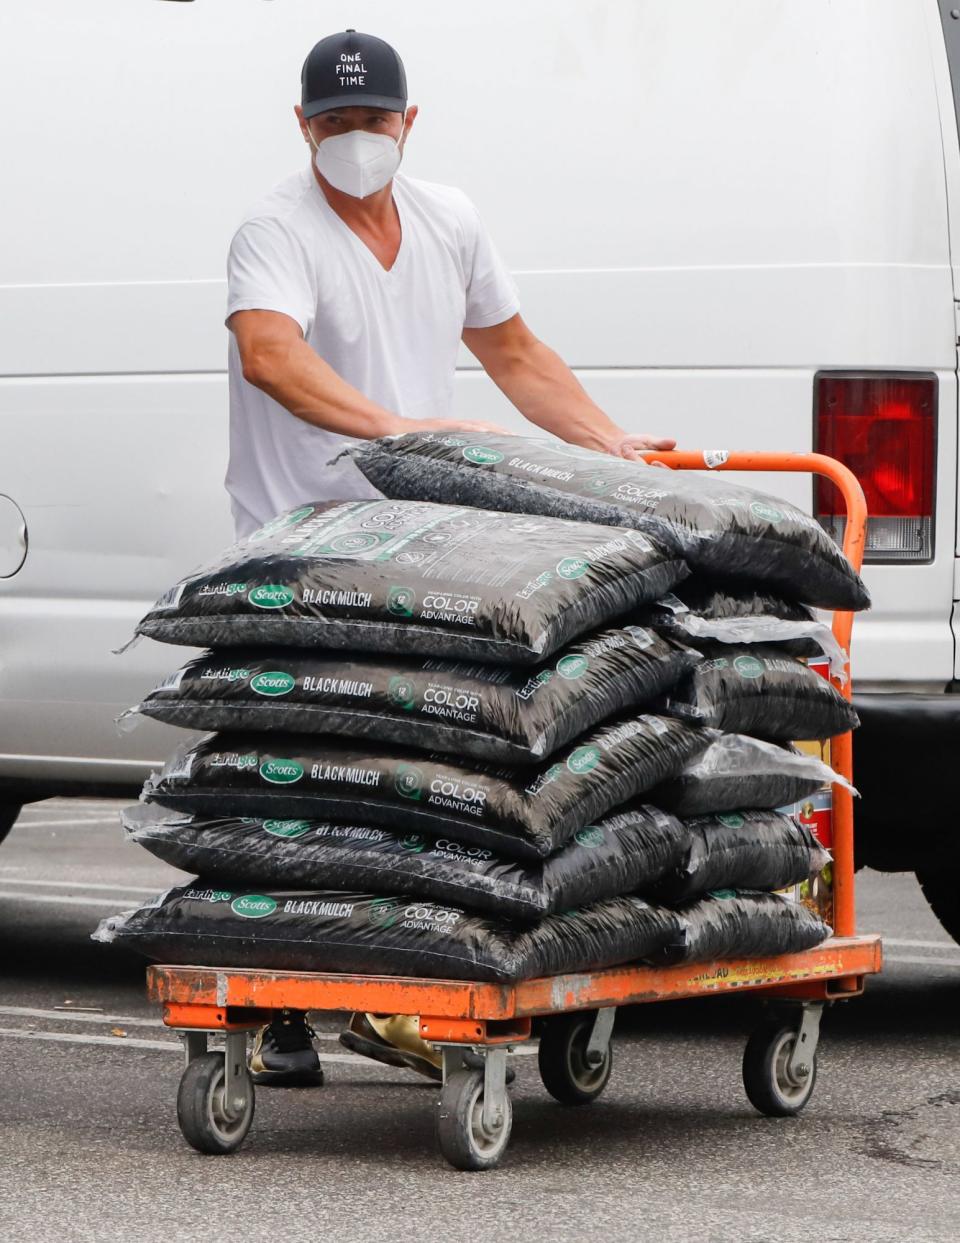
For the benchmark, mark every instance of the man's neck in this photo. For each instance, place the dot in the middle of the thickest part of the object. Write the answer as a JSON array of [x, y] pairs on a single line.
[[374, 213]]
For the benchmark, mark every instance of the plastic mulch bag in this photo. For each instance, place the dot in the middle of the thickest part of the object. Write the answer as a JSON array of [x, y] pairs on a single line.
[[398, 576], [701, 609], [359, 933], [504, 714], [760, 691], [735, 771], [731, 924], [722, 528], [760, 850], [521, 812], [625, 852]]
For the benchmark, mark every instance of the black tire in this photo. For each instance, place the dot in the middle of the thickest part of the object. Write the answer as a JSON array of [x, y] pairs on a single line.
[[562, 1058], [460, 1133], [769, 1087], [204, 1122], [10, 809], [943, 899]]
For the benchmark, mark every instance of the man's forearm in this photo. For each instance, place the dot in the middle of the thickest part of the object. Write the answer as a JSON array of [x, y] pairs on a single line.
[[300, 381], [545, 391]]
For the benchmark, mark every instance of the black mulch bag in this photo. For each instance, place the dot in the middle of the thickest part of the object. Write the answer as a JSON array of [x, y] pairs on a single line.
[[723, 528], [504, 714], [735, 771], [359, 933], [398, 576], [626, 852], [759, 850], [701, 609], [760, 691], [730, 924], [522, 813]]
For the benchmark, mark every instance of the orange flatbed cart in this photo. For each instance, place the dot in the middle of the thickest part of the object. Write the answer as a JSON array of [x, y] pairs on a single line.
[[475, 1024]]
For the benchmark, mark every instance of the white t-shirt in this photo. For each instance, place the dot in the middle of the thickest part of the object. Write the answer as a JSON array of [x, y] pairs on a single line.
[[394, 335]]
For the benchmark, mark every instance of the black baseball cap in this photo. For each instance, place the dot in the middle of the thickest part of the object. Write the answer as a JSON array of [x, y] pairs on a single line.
[[352, 70]]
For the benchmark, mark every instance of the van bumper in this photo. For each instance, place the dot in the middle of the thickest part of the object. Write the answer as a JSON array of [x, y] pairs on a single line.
[[906, 765]]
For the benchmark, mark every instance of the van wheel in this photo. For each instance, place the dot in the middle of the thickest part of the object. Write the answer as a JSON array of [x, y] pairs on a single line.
[[940, 890], [9, 811]]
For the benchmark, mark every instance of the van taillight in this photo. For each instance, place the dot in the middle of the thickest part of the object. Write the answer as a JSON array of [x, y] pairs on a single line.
[[884, 428]]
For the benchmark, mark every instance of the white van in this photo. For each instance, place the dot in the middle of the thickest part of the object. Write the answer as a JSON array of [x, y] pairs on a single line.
[[735, 218]]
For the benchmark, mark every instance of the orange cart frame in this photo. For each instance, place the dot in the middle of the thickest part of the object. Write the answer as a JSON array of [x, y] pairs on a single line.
[[476, 1023]]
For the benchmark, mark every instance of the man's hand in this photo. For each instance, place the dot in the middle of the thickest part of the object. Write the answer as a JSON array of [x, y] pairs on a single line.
[[631, 447]]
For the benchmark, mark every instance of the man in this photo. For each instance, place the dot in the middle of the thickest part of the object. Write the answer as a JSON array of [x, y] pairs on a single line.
[[350, 288]]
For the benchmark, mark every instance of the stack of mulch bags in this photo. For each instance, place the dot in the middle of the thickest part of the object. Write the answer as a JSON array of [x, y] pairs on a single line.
[[495, 743]]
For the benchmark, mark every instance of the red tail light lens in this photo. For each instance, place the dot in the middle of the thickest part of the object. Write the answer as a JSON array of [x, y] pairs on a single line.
[[884, 428]]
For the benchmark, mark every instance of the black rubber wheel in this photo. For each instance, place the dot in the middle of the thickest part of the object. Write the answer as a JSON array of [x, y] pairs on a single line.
[[943, 899], [770, 1088], [205, 1122], [10, 809], [463, 1139], [562, 1058]]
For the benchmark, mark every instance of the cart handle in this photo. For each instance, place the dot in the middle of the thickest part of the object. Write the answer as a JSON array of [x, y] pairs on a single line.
[[854, 539]]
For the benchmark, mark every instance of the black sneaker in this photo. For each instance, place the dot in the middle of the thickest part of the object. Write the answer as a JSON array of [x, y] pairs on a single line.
[[283, 1054]]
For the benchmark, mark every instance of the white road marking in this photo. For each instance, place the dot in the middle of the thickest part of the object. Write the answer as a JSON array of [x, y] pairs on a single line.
[[62, 899], [68, 1015], [922, 960], [71, 823], [922, 945], [83, 884]]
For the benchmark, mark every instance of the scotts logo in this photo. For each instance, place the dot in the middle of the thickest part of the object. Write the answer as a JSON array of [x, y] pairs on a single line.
[[253, 906], [408, 782], [413, 842], [571, 667], [273, 683], [280, 524], [281, 772], [748, 667], [583, 759], [400, 601], [732, 819], [286, 828], [383, 912], [768, 513], [402, 693], [271, 596], [573, 567], [590, 836], [480, 455]]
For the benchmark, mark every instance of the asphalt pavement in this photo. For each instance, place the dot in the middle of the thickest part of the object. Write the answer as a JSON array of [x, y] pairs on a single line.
[[90, 1149]]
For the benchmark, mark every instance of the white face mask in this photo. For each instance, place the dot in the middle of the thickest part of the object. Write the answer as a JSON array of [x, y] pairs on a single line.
[[358, 163]]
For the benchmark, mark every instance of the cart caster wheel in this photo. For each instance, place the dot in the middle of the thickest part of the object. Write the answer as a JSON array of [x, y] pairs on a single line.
[[207, 1120], [464, 1139], [771, 1088], [562, 1058]]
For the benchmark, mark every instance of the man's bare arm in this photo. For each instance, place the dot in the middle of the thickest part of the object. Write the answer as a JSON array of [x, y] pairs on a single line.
[[277, 360], [545, 390]]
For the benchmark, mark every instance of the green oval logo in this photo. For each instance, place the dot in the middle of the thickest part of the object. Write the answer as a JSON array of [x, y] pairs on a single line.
[[270, 596], [383, 912], [597, 485], [400, 601], [414, 843], [572, 667], [281, 772], [732, 819], [768, 513], [286, 828], [573, 567], [354, 541], [480, 455], [590, 837], [408, 782], [273, 683], [253, 906], [583, 760], [402, 693], [748, 667]]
